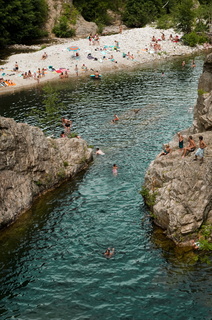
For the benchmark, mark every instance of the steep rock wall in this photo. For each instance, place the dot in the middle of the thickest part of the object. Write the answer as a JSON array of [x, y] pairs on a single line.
[[31, 164], [180, 190]]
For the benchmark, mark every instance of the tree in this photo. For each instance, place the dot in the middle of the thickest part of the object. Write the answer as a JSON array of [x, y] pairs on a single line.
[[140, 12], [21, 20], [184, 16]]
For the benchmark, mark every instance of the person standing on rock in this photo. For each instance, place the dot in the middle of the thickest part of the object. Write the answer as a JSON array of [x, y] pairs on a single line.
[[190, 148], [200, 150], [67, 125], [180, 137]]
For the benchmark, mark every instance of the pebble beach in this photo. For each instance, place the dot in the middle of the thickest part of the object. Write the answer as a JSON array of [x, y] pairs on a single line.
[[124, 50]]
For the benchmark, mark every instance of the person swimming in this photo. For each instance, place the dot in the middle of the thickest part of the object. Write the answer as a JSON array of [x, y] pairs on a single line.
[[98, 151], [115, 169], [109, 252]]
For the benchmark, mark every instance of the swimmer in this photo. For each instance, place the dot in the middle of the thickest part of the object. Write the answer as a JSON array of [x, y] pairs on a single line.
[[116, 118], [98, 151], [115, 169], [109, 253]]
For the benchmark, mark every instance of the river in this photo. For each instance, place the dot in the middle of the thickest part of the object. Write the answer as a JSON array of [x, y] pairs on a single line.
[[51, 261]]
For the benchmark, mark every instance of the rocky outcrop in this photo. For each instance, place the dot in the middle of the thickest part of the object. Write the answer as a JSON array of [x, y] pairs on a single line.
[[83, 28], [179, 190], [31, 164]]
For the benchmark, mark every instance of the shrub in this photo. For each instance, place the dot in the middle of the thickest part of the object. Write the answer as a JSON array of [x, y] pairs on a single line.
[[62, 30], [165, 22], [192, 39], [148, 196]]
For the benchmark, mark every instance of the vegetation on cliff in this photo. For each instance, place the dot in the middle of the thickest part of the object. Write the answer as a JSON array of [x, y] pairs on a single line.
[[24, 20]]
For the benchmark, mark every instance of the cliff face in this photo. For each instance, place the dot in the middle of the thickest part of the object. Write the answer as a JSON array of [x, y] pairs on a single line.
[[180, 190], [31, 164]]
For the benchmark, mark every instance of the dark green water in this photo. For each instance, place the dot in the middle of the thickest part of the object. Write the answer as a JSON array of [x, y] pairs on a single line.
[[51, 260]]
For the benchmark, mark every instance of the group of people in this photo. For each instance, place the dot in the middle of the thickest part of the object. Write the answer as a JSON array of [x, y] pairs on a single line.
[[94, 39], [63, 74], [191, 147]]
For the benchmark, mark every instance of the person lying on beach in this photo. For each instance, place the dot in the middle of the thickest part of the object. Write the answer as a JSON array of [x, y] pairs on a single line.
[[98, 151], [61, 75], [109, 253], [190, 148], [166, 151]]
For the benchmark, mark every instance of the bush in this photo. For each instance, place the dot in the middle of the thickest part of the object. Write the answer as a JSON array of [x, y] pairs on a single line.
[[192, 39], [165, 22], [61, 29]]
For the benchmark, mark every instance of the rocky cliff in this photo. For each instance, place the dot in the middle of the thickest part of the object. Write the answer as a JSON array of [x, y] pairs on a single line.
[[31, 164], [179, 190]]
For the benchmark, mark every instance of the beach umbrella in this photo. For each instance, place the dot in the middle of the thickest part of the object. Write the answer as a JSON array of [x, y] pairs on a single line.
[[73, 48]]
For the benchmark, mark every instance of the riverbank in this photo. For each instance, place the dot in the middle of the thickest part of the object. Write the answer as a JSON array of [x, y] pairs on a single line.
[[125, 50]]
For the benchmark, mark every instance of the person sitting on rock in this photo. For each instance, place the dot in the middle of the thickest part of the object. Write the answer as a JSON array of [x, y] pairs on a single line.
[[190, 148], [166, 151]]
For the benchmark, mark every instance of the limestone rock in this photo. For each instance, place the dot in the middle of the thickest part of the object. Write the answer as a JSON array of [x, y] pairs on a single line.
[[83, 28], [203, 109], [31, 164], [182, 188]]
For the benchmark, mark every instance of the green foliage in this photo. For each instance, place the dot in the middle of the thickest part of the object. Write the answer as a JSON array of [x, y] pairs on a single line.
[[62, 30], [148, 196], [96, 10], [192, 39], [61, 174], [22, 20], [205, 245], [184, 15], [206, 230], [201, 92], [51, 109], [65, 163], [139, 12], [165, 22], [72, 135], [38, 183]]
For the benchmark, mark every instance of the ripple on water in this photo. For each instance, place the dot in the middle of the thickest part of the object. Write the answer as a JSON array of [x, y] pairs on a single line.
[[52, 263]]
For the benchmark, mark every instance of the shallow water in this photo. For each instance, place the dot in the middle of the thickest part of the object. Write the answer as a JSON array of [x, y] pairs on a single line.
[[51, 261]]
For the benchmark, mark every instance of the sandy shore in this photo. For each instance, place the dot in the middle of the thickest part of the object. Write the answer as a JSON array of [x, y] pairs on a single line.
[[136, 41]]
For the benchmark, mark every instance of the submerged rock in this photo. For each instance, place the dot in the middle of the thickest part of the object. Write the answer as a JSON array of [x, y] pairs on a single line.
[[31, 164], [179, 190]]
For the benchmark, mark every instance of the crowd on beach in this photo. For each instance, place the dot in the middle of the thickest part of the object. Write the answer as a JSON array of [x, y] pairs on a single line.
[[86, 56]]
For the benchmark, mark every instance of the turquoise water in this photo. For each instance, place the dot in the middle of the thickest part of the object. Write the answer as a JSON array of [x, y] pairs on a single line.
[[51, 262]]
